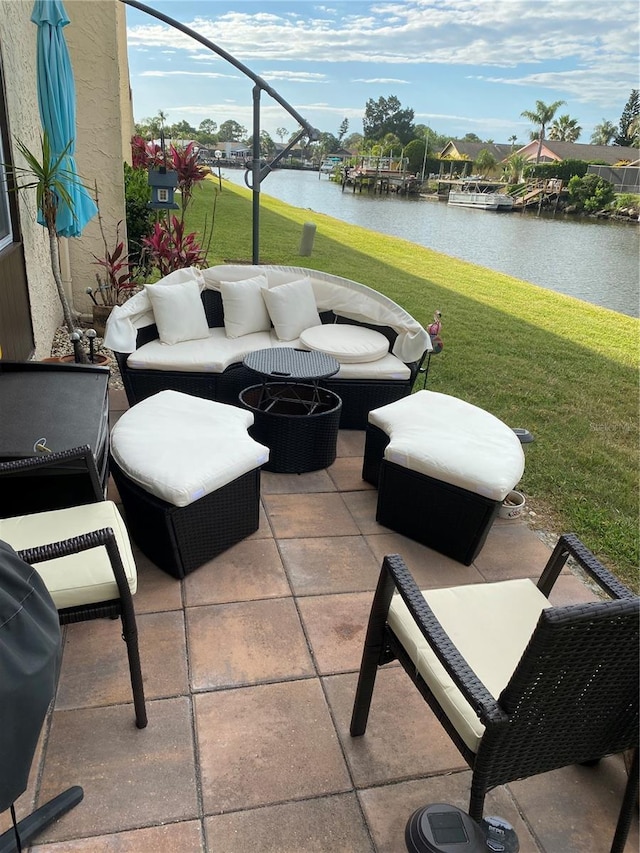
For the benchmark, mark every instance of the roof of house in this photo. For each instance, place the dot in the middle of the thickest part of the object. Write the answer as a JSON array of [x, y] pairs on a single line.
[[553, 150], [457, 149]]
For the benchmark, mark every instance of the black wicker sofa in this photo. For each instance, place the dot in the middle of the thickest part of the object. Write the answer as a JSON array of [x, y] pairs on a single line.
[[147, 366]]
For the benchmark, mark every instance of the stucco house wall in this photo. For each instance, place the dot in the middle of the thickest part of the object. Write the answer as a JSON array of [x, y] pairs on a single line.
[[96, 38], [18, 52]]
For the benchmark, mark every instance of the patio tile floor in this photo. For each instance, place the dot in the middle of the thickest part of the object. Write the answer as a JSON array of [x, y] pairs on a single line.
[[250, 666]]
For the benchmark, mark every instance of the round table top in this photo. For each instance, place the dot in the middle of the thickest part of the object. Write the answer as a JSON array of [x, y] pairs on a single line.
[[288, 363]]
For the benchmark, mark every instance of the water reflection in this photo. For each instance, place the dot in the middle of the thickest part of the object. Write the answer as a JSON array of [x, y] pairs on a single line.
[[592, 260]]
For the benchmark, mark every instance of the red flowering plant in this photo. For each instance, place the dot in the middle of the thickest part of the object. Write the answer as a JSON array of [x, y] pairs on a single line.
[[117, 279], [189, 170], [145, 155], [169, 248]]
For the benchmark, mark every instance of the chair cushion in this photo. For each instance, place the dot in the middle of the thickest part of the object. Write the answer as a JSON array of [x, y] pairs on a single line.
[[78, 579], [490, 624], [211, 355], [292, 308], [346, 343], [389, 367], [452, 441], [180, 448], [245, 310], [178, 311]]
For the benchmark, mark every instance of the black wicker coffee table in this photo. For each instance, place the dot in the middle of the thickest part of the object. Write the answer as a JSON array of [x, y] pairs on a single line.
[[294, 416]]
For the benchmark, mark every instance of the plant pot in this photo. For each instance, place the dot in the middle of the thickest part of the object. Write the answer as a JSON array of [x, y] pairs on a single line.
[[100, 316], [99, 360], [512, 506]]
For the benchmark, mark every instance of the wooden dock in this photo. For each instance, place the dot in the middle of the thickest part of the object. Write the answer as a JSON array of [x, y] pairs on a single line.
[[545, 193], [378, 175]]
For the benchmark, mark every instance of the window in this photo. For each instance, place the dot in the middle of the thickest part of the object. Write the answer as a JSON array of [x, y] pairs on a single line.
[[6, 232]]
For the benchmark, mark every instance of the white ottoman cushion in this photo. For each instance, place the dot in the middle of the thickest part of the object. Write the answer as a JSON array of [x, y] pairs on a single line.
[[180, 448], [477, 618], [347, 344], [452, 441], [83, 578]]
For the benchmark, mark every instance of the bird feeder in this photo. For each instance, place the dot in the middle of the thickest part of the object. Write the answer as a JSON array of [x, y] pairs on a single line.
[[163, 184]]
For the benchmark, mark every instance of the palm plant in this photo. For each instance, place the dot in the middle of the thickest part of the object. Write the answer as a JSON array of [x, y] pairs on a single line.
[[541, 117], [565, 129], [604, 133], [45, 174]]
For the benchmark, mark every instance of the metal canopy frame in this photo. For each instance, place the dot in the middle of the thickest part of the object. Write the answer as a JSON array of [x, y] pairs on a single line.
[[258, 172]]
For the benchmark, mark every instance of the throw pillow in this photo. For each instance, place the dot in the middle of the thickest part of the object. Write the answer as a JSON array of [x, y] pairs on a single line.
[[244, 308], [292, 308], [178, 311]]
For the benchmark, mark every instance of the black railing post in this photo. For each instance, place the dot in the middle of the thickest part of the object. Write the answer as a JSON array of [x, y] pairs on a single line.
[[261, 85], [256, 177]]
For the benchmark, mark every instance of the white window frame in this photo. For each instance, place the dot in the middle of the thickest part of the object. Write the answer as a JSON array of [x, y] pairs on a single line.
[[6, 229]]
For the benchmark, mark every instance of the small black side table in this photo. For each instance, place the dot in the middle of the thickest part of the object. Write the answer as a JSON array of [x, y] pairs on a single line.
[[293, 416], [54, 407]]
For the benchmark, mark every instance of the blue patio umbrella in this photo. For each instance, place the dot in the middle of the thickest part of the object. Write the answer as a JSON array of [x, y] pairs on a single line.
[[57, 104]]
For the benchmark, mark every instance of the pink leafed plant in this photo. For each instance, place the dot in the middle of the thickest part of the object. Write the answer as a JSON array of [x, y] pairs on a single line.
[[170, 248]]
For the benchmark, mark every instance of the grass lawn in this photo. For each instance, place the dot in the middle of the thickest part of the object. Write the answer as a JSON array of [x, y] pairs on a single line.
[[562, 368]]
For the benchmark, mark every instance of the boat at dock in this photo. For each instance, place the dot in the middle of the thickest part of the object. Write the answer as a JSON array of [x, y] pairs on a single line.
[[480, 196]]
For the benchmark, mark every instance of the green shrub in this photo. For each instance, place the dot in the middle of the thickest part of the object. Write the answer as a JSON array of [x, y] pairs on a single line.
[[591, 193], [627, 200], [139, 216], [563, 169]]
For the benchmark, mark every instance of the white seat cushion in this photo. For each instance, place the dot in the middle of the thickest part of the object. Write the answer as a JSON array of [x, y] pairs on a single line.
[[346, 343], [181, 448], [452, 441], [211, 355], [387, 367], [78, 579], [490, 624]]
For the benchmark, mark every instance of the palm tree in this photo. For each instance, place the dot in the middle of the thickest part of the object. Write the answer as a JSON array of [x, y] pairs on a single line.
[[565, 129], [604, 133], [45, 173], [485, 162], [541, 117]]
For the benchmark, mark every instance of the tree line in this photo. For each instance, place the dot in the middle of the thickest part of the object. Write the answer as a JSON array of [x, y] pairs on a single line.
[[387, 125]]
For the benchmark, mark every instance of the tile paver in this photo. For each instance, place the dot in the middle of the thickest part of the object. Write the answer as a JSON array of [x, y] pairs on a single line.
[[250, 667]]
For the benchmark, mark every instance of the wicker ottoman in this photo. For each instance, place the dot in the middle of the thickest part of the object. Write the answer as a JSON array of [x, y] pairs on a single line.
[[442, 467], [188, 474]]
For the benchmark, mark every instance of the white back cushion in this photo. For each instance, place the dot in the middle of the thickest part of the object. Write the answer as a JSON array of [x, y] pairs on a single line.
[[244, 308], [178, 311], [292, 308]]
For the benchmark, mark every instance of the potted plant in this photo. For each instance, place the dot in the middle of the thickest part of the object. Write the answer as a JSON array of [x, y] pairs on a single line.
[[47, 177], [116, 281]]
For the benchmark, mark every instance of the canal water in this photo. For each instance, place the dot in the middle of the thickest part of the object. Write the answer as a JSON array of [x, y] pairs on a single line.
[[593, 260]]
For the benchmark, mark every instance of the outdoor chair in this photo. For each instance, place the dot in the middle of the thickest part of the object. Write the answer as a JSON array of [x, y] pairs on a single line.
[[520, 686], [84, 556]]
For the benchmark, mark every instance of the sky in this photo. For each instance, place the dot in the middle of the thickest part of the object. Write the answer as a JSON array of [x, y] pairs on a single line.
[[462, 66]]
